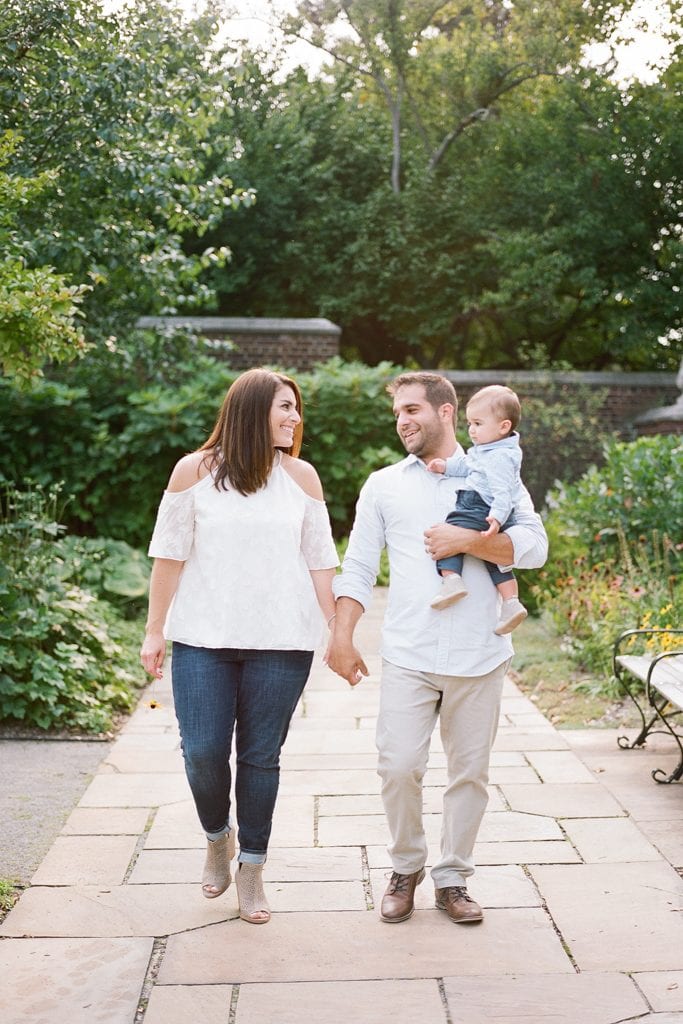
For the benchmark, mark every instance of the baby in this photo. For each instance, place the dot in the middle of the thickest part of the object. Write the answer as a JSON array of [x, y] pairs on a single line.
[[490, 487]]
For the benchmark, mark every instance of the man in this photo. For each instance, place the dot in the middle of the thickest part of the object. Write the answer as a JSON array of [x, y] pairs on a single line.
[[447, 665]]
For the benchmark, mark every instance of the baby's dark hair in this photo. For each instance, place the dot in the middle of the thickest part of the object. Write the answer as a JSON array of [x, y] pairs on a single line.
[[502, 401]]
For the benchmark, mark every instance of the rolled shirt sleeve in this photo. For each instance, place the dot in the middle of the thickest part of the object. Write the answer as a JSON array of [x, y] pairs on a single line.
[[174, 528], [528, 536]]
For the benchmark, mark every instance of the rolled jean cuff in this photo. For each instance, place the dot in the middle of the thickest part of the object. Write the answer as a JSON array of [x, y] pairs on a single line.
[[251, 858], [225, 831]]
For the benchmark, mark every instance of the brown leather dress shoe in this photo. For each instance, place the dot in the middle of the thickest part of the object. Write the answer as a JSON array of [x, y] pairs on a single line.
[[459, 906], [398, 902]]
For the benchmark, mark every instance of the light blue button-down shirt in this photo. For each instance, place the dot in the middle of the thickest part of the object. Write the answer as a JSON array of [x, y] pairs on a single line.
[[396, 505]]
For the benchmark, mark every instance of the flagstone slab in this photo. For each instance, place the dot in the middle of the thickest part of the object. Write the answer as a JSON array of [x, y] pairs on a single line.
[[163, 741], [293, 821], [168, 867], [325, 864], [662, 989], [82, 981], [609, 840], [364, 829], [524, 719], [305, 724], [333, 782], [344, 703], [667, 836], [302, 897], [511, 826], [503, 886], [544, 999], [346, 741], [560, 766], [516, 739], [372, 1002], [616, 917], [138, 790], [176, 826], [552, 852], [178, 1004], [325, 762], [516, 775], [119, 911], [563, 801], [106, 821], [337, 947], [131, 760], [661, 1018], [86, 860]]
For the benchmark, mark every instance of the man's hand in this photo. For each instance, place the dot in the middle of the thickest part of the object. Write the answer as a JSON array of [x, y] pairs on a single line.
[[346, 661], [444, 540], [494, 527]]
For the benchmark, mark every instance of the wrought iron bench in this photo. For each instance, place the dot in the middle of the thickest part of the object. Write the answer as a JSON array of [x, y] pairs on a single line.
[[662, 675]]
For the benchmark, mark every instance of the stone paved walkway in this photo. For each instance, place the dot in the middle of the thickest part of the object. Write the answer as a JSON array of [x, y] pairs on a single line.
[[577, 871]]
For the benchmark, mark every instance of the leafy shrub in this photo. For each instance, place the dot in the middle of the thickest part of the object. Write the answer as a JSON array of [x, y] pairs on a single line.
[[66, 659], [593, 604], [349, 430], [618, 563], [637, 493], [562, 434]]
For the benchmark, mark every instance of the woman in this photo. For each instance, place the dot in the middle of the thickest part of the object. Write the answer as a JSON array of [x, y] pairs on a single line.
[[242, 585]]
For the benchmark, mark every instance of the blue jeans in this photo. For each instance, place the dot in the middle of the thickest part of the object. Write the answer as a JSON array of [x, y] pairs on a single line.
[[471, 511], [254, 694]]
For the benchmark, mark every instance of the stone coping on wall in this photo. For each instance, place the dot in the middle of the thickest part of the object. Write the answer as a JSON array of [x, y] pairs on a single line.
[[545, 377], [225, 325]]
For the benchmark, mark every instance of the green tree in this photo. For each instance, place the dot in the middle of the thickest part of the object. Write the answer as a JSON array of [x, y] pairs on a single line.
[[441, 67], [38, 307], [548, 238], [116, 108]]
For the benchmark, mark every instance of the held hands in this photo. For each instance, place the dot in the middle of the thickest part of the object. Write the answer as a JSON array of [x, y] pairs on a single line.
[[152, 654], [346, 661], [436, 466], [493, 529]]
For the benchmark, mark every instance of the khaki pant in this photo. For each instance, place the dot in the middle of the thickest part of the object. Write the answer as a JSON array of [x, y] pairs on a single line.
[[468, 708]]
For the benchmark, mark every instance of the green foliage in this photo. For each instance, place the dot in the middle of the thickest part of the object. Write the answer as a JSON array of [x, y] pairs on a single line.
[[38, 308], [67, 660], [125, 425], [637, 493], [348, 430], [591, 606], [618, 557], [545, 234], [114, 111]]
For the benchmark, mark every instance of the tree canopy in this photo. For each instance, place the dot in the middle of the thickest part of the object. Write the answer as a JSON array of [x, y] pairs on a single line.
[[459, 188], [111, 116]]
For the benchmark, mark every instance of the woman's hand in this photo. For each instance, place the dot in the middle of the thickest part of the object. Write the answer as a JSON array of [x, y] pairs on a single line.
[[153, 653]]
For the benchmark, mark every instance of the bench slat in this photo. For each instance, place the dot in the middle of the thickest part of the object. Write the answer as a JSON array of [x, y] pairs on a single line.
[[667, 676]]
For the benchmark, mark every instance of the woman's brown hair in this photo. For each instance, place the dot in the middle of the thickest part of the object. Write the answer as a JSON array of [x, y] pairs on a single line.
[[241, 443]]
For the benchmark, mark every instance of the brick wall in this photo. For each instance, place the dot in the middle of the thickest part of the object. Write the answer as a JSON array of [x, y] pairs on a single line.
[[626, 395], [296, 344]]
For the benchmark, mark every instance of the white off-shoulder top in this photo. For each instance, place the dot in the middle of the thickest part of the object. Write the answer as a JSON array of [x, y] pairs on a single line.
[[246, 580]]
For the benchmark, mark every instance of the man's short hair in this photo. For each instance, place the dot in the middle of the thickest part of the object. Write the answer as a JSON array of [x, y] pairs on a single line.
[[438, 389]]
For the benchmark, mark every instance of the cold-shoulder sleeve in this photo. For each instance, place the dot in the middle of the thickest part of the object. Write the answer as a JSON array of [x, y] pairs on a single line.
[[317, 544], [174, 528]]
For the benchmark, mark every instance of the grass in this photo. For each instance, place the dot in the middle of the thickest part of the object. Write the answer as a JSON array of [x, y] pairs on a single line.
[[566, 696], [9, 893]]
